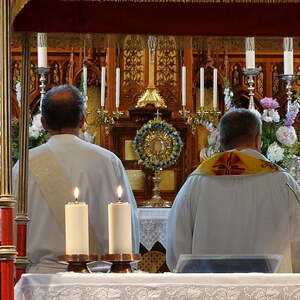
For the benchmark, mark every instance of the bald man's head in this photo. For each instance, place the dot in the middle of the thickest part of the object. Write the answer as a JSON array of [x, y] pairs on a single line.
[[63, 107]]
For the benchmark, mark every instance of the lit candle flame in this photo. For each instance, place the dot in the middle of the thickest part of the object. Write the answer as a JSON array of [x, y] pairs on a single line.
[[119, 191], [76, 192]]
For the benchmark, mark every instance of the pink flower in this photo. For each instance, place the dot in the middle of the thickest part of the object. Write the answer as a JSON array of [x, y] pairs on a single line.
[[269, 103]]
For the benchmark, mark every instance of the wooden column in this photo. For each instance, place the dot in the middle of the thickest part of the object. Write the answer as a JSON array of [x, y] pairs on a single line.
[[110, 97], [7, 250], [22, 217]]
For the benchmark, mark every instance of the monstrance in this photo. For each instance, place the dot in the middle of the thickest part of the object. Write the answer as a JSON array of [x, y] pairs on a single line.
[[158, 145]]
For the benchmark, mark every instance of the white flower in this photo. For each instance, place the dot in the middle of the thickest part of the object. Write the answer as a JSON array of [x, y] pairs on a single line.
[[275, 153], [36, 127], [214, 137], [270, 115], [286, 135], [208, 152], [18, 91], [87, 137]]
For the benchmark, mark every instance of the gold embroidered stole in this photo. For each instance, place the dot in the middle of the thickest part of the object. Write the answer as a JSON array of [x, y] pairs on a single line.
[[56, 189], [234, 163]]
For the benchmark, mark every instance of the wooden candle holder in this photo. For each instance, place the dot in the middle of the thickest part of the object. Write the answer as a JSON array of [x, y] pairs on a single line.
[[121, 262], [77, 262]]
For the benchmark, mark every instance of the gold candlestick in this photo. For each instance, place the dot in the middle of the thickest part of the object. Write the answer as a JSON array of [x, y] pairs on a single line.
[[121, 262], [78, 262]]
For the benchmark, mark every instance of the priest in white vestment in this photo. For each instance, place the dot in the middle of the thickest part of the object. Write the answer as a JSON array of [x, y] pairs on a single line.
[[55, 169], [237, 202]]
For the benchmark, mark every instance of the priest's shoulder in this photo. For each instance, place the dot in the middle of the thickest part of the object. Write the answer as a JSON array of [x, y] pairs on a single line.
[[36, 150], [103, 152]]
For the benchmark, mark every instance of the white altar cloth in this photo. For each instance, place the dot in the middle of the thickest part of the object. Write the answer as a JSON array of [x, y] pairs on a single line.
[[153, 226], [167, 286]]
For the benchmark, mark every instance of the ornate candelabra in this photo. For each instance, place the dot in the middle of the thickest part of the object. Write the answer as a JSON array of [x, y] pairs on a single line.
[[104, 118], [289, 79], [200, 117], [42, 71], [251, 73]]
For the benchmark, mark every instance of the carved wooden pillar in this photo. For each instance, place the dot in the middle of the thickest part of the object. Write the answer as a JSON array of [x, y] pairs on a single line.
[[107, 140]]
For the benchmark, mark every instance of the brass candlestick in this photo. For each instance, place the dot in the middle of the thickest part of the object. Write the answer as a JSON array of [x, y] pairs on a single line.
[[78, 262], [251, 73], [104, 118], [156, 200], [289, 79], [121, 262], [201, 117]]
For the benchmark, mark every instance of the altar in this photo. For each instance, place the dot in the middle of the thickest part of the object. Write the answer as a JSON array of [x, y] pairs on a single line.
[[137, 286]]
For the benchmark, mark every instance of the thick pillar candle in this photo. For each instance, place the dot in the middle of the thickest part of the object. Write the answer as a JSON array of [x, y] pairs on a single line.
[[42, 50], [102, 99], [202, 87], [77, 228], [183, 86], [288, 56], [250, 53], [119, 227], [215, 88], [117, 87]]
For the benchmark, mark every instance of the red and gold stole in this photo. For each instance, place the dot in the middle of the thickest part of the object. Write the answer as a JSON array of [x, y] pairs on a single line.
[[234, 163]]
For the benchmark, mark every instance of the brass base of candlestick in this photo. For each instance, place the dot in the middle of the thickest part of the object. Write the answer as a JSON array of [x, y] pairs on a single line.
[[156, 203], [77, 262], [121, 262]]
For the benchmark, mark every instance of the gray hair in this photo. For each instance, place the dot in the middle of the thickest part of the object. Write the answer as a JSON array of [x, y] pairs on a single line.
[[239, 128]]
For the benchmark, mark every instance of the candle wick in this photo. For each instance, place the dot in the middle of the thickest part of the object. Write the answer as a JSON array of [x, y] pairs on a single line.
[[76, 201]]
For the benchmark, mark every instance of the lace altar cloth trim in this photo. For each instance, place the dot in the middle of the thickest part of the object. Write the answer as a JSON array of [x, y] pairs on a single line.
[[166, 292], [153, 226]]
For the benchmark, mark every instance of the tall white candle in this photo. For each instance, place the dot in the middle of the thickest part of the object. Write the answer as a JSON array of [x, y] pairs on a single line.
[[183, 85], [84, 70], [250, 52], [201, 87], [288, 56], [215, 88], [42, 50], [119, 226], [117, 87], [77, 226], [102, 99]]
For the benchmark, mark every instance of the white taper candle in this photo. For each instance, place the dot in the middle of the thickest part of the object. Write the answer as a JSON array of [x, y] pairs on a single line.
[[215, 88], [117, 87], [84, 71], [102, 97], [201, 87], [183, 86]]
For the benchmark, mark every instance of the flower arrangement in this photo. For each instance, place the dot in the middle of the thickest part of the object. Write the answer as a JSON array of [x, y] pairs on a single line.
[[37, 135], [279, 139], [157, 144]]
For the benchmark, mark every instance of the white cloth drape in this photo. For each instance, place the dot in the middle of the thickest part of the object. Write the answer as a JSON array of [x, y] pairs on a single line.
[[247, 214], [70, 286]]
